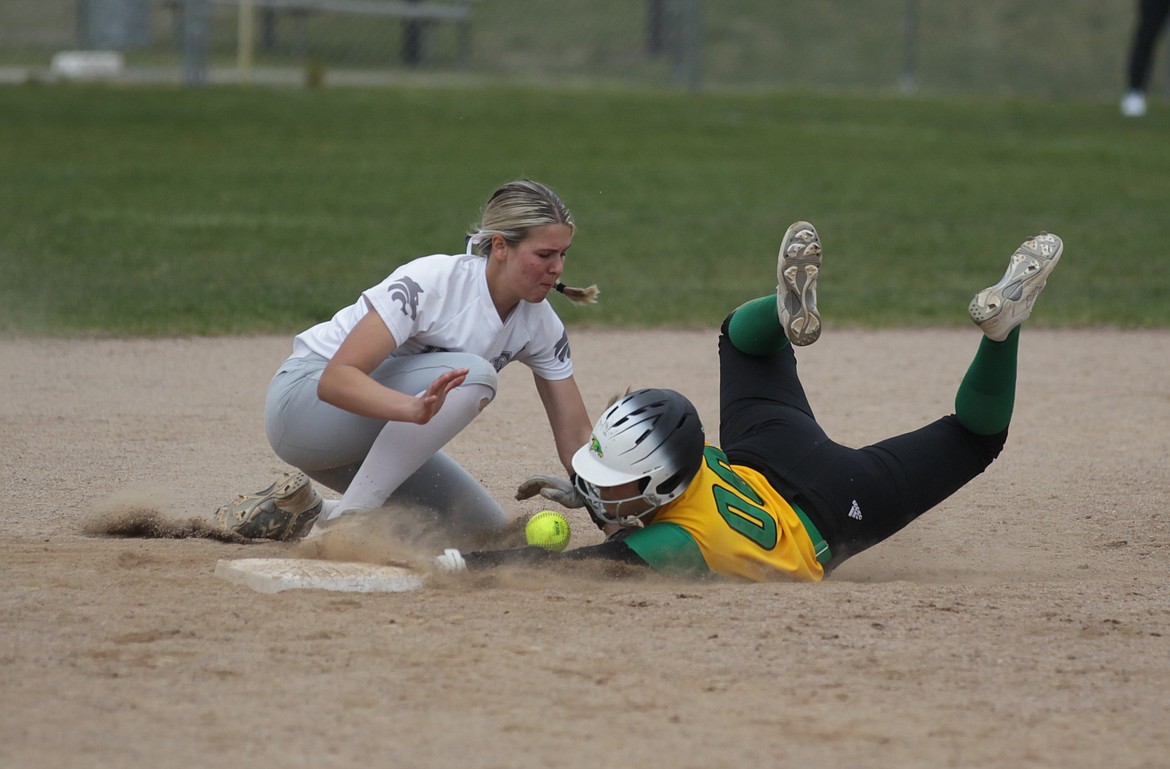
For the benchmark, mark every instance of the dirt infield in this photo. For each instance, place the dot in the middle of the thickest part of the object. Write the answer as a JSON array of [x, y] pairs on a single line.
[[1023, 623]]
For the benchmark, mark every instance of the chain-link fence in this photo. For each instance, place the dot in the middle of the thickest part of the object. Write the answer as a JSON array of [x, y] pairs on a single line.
[[1063, 48]]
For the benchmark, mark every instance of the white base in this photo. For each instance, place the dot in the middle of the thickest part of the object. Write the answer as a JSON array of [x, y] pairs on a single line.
[[271, 575]]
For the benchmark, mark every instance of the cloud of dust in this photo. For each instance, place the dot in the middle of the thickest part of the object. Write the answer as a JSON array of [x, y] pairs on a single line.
[[399, 535], [141, 514], [411, 538]]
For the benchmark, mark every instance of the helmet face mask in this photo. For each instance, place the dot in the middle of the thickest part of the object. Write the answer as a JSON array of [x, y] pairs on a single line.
[[610, 510], [650, 436]]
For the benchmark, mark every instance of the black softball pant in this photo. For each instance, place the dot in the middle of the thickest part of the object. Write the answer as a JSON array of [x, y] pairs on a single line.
[[855, 497], [1152, 16]]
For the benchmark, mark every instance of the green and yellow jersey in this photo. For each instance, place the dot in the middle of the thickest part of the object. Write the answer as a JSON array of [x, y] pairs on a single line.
[[731, 522]]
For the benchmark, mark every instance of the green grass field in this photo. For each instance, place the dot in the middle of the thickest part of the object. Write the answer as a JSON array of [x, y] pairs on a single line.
[[166, 211]]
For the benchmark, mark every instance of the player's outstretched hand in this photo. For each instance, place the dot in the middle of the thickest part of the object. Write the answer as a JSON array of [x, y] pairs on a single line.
[[450, 562], [432, 400], [559, 490]]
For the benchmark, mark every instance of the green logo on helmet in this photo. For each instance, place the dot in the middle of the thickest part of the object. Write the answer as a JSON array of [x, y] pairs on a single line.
[[595, 446]]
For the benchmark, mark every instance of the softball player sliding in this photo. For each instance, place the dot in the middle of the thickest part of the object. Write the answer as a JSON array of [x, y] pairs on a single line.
[[781, 499], [367, 399]]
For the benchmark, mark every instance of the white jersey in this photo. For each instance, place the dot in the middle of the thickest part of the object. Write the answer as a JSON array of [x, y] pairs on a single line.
[[441, 303]]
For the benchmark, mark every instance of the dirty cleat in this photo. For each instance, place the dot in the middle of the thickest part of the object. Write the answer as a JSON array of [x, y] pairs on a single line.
[[1000, 308], [283, 511], [797, 269]]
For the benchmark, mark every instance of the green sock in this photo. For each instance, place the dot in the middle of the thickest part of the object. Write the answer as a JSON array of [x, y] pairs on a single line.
[[987, 393], [755, 329]]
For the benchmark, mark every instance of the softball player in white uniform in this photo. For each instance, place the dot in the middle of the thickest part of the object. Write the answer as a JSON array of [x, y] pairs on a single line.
[[367, 399]]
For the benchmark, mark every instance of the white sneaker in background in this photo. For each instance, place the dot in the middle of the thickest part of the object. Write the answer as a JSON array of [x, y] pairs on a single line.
[[1134, 104]]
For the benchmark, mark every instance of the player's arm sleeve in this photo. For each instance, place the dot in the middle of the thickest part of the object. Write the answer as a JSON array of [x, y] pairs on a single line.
[[407, 299], [670, 549], [614, 550], [549, 355]]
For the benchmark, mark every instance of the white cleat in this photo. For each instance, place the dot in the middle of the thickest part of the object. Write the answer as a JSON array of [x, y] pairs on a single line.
[[1000, 308], [797, 270]]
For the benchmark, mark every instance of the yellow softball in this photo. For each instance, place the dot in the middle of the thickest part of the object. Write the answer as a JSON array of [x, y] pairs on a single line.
[[548, 529]]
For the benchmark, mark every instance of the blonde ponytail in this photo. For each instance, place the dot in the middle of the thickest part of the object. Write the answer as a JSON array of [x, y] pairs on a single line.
[[579, 295]]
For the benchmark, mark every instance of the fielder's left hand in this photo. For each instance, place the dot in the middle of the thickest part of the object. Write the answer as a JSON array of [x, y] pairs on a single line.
[[559, 490]]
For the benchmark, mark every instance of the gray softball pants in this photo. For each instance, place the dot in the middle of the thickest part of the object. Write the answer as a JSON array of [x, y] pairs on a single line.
[[330, 444]]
